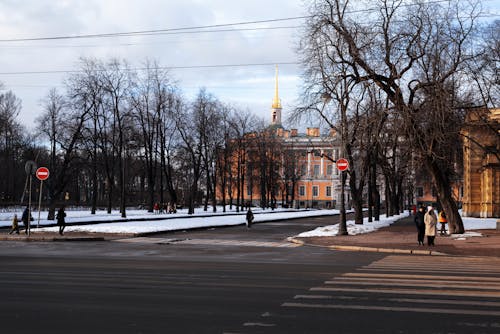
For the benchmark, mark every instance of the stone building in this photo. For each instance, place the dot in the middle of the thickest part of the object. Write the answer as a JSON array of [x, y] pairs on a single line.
[[481, 189], [306, 175]]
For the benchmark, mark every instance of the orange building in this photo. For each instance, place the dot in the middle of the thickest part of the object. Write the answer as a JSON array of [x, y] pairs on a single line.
[[302, 168], [481, 163]]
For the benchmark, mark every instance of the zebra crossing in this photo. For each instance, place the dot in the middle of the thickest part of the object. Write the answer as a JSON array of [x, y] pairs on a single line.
[[439, 285], [209, 242]]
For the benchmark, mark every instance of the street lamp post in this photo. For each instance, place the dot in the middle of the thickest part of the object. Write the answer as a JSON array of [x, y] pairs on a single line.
[[326, 97]]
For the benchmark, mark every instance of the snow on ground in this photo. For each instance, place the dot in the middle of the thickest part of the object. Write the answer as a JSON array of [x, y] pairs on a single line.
[[353, 229], [181, 220], [151, 223]]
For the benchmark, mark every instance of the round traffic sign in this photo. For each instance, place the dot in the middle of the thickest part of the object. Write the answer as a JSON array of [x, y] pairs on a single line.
[[42, 173], [342, 164], [30, 167]]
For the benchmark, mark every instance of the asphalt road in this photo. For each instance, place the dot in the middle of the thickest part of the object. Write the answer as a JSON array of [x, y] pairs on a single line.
[[239, 280]]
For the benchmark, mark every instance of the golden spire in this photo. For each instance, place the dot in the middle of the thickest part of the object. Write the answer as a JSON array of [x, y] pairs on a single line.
[[276, 100]]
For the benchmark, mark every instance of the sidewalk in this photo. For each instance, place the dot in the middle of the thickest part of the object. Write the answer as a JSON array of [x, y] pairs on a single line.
[[401, 237]]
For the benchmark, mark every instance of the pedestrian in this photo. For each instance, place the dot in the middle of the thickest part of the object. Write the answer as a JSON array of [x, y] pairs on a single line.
[[26, 218], [430, 220], [156, 208], [61, 222], [442, 219], [15, 225], [249, 217], [419, 222]]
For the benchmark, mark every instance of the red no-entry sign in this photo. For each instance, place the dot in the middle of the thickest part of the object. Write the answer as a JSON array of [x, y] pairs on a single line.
[[342, 164], [42, 173]]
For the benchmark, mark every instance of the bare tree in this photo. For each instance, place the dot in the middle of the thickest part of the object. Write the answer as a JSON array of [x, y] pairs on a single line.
[[11, 138], [62, 125], [116, 83], [413, 53]]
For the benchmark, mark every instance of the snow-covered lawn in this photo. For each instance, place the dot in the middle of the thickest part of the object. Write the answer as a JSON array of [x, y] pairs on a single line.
[[353, 229], [181, 220], [151, 223]]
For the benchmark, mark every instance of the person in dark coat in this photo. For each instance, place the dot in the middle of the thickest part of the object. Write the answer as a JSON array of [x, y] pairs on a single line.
[[26, 218], [249, 217], [61, 222], [419, 222]]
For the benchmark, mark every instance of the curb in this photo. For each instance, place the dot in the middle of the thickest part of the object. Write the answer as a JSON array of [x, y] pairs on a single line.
[[384, 250], [369, 249], [49, 238]]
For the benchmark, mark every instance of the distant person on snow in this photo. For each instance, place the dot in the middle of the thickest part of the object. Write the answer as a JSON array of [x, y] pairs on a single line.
[[26, 217], [249, 217], [61, 222], [15, 225]]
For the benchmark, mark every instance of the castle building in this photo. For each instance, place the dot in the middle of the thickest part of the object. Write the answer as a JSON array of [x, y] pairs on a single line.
[[288, 168], [276, 106]]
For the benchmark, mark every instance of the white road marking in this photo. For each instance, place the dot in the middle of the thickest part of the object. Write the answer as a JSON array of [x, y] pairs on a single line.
[[215, 242], [431, 292], [258, 324], [412, 284], [394, 309]]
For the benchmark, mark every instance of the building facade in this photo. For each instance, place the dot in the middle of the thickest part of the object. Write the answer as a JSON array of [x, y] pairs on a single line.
[[297, 169], [481, 164]]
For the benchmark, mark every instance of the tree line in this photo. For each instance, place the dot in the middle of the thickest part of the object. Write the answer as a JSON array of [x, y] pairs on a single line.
[[402, 77], [117, 137]]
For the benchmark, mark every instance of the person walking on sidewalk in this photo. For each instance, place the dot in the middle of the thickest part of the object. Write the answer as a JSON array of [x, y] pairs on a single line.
[[15, 225], [249, 217], [419, 222], [26, 218], [61, 222], [430, 221], [443, 221]]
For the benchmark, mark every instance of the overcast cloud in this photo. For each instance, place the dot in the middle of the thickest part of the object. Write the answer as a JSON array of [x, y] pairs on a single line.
[[247, 87]]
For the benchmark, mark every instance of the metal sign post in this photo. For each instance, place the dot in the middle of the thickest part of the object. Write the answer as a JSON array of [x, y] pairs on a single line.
[[42, 174], [29, 168]]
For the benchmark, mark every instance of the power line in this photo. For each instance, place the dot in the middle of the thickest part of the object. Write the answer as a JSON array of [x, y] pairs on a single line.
[[193, 29], [150, 32], [155, 34], [158, 68]]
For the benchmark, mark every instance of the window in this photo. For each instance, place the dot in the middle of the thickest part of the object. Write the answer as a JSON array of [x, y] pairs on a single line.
[[329, 170], [303, 169], [420, 192], [316, 170], [317, 153], [315, 191], [328, 191], [302, 191]]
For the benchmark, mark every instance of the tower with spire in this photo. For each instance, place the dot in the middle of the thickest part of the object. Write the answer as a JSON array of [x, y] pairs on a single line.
[[276, 106]]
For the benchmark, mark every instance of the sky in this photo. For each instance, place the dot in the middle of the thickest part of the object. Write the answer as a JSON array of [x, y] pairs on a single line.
[[188, 54], [247, 87]]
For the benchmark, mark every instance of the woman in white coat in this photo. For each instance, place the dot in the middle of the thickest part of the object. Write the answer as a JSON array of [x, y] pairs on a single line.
[[430, 220]]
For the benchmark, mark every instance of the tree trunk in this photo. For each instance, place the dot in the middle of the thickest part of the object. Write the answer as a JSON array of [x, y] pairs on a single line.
[[443, 188], [342, 224]]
